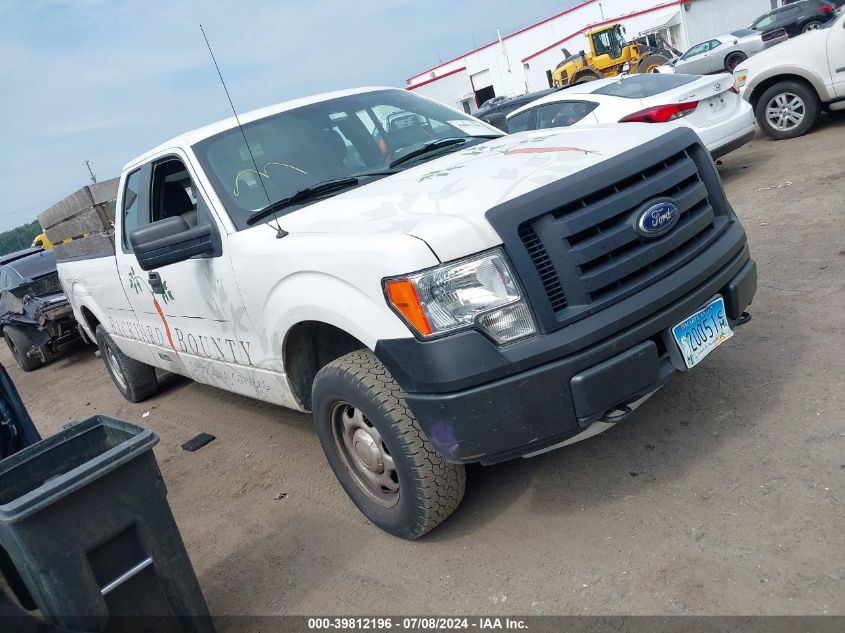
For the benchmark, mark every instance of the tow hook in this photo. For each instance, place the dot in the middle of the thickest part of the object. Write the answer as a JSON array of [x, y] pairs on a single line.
[[743, 319], [617, 415]]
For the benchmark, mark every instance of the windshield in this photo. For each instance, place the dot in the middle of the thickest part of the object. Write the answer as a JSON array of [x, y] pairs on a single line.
[[337, 138]]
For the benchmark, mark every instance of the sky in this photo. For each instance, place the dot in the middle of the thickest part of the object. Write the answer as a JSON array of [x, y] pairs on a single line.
[[105, 80]]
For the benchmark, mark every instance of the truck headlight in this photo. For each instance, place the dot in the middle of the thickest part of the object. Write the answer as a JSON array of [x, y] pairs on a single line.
[[480, 290]]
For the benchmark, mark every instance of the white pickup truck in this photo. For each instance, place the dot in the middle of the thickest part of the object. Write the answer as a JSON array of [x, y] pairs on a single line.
[[435, 292]]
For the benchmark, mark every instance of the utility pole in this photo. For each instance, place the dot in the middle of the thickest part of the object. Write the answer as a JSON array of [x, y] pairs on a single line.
[[90, 171]]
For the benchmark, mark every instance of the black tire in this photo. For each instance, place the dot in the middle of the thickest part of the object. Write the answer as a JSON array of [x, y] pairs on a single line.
[[651, 62], [428, 488], [135, 380], [811, 109], [734, 59], [21, 347], [812, 25], [584, 75]]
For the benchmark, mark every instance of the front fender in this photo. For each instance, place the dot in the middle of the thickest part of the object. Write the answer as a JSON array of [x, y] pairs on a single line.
[[758, 82], [315, 296]]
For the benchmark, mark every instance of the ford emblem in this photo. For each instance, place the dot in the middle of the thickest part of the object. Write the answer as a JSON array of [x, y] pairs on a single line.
[[658, 218]]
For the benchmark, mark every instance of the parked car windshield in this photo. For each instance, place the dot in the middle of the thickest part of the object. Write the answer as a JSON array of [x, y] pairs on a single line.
[[332, 139], [645, 85]]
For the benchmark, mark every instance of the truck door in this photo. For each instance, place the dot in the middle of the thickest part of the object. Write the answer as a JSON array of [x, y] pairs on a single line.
[[189, 312]]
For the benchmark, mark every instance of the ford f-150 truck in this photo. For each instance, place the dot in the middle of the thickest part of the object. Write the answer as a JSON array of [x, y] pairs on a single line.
[[435, 292]]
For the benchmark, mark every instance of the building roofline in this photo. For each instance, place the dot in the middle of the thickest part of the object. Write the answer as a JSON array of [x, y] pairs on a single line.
[[433, 79], [504, 37], [602, 23]]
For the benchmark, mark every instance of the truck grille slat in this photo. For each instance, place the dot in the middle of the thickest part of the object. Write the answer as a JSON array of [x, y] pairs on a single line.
[[591, 212], [641, 254]]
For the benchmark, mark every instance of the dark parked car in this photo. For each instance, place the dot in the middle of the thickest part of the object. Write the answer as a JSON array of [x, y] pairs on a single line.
[[509, 104], [798, 17], [35, 316]]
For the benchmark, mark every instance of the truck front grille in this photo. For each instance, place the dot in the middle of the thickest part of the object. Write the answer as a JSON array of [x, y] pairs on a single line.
[[585, 248]]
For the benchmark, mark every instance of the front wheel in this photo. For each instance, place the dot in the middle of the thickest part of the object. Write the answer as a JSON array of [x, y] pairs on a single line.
[[135, 380], [787, 110], [378, 451], [733, 60]]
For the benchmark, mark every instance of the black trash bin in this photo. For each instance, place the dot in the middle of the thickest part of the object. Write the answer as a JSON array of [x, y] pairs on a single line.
[[16, 428], [85, 522]]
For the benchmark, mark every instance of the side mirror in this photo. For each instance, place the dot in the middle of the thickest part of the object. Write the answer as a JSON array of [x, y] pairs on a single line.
[[497, 120], [169, 241]]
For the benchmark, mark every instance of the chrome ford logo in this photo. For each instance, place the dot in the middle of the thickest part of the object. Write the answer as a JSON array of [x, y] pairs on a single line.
[[658, 218]]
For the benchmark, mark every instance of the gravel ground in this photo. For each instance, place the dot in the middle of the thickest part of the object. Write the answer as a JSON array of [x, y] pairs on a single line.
[[722, 495]]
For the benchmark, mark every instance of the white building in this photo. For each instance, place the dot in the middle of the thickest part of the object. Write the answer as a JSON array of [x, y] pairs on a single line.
[[519, 62]]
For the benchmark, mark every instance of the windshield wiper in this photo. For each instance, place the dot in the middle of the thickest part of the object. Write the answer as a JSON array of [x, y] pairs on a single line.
[[303, 195], [314, 191], [430, 147]]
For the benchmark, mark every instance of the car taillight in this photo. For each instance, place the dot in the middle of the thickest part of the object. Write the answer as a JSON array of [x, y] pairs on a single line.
[[661, 114], [734, 89], [826, 8]]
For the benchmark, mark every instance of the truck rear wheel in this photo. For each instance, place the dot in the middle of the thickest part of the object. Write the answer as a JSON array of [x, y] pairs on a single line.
[[377, 450], [23, 351], [135, 380]]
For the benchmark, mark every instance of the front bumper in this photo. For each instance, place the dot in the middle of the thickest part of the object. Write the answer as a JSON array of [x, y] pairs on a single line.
[[476, 407]]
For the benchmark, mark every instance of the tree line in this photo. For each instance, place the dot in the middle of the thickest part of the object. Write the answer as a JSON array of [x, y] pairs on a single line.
[[19, 237]]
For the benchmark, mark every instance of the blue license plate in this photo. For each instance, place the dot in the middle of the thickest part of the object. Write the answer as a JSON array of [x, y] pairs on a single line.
[[701, 333]]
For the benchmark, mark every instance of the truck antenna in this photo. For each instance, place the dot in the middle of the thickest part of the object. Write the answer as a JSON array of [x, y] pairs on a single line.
[[280, 231], [91, 171]]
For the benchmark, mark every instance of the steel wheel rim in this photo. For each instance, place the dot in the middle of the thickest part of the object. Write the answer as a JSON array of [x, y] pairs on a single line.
[[111, 361], [812, 26], [364, 454], [786, 111]]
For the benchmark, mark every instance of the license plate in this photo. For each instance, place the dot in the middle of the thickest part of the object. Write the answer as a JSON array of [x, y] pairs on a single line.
[[701, 333]]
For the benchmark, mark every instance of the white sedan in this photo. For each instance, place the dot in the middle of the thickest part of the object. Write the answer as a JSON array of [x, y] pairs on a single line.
[[711, 106]]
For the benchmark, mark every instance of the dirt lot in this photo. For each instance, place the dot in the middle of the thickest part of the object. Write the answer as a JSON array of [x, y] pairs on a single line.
[[724, 494]]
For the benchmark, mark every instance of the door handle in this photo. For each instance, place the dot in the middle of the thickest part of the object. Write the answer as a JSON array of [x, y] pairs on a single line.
[[156, 285]]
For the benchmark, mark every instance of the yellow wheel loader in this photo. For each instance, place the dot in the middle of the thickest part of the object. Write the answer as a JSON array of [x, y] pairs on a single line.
[[610, 55]]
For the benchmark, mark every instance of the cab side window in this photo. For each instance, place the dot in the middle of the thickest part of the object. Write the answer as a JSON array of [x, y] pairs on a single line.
[[131, 219], [173, 192]]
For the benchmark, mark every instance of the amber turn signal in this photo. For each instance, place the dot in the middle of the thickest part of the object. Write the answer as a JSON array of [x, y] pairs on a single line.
[[403, 296]]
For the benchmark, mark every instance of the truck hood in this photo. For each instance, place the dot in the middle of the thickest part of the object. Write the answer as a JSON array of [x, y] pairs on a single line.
[[444, 201]]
